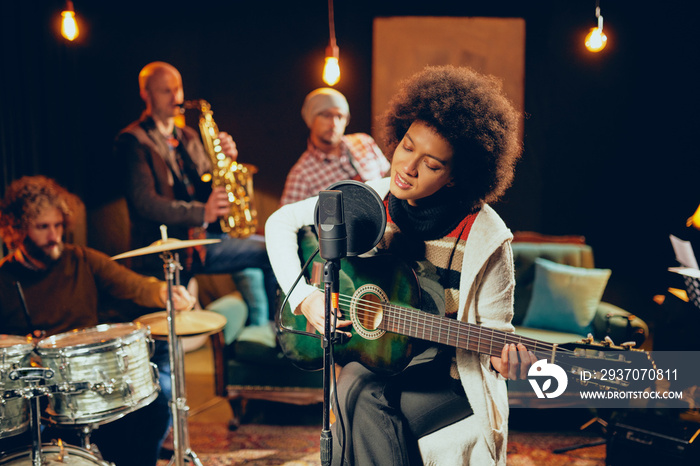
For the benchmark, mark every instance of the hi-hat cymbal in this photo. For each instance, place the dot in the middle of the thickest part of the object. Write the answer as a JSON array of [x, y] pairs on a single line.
[[186, 322], [165, 245]]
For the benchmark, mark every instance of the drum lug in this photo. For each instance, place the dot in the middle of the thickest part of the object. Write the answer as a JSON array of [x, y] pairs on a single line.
[[72, 408], [6, 369], [155, 372], [72, 388], [128, 391], [106, 387], [123, 360], [151, 344], [64, 366]]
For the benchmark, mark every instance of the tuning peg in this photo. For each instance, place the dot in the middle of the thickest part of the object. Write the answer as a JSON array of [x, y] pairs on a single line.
[[628, 345]]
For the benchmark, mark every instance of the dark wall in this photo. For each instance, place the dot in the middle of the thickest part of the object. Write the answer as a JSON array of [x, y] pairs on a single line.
[[607, 149]]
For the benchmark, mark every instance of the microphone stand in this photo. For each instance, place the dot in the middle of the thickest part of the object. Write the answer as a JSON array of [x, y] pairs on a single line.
[[333, 247], [331, 280]]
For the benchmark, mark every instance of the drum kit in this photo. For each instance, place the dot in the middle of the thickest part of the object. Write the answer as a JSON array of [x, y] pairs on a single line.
[[97, 375]]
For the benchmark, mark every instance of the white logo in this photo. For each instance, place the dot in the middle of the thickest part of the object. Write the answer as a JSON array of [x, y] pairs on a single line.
[[544, 370]]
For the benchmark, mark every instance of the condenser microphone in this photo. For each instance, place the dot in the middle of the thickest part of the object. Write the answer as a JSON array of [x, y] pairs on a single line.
[[363, 214], [332, 235]]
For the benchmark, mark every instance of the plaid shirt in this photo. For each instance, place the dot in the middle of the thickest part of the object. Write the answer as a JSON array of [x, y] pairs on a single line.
[[361, 159]]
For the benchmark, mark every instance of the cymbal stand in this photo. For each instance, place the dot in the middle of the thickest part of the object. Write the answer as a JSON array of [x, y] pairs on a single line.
[[178, 401], [32, 391]]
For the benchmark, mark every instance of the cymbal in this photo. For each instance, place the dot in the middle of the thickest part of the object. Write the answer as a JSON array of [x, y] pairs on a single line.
[[186, 322], [165, 245]]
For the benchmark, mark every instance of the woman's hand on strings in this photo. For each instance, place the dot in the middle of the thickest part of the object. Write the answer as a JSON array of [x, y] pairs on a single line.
[[314, 309]]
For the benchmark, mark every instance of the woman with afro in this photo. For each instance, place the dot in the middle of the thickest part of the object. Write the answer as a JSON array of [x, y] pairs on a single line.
[[452, 136]]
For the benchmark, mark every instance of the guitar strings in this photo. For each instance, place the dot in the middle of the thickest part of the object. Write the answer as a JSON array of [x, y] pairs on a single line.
[[413, 319], [468, 331], [367, 309]]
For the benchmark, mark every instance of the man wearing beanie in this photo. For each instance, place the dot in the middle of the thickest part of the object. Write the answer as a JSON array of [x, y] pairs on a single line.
[[331, 155]]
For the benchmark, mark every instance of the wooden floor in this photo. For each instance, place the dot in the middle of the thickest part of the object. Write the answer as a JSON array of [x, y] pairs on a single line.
[[199, 386]]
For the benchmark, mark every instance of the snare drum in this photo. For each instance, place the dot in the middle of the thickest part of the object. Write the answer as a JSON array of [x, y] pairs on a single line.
[[101, 373], [15, 352], [53, 455]]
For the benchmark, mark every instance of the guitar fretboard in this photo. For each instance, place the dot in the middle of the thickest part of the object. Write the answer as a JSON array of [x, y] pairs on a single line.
[[439, 329]]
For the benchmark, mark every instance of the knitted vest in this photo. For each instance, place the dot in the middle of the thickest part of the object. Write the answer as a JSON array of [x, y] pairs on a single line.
[[445, 253]]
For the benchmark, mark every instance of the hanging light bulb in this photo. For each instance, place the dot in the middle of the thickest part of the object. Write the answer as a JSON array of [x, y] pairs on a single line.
[[694, 220], [596, 39], [69, 28], [331, 70]]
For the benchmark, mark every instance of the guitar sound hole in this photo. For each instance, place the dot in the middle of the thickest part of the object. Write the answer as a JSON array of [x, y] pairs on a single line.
[[370, 314], [367, 311]]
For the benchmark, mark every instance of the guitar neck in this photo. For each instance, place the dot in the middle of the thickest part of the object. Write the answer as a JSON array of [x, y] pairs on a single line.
[[451, 332]]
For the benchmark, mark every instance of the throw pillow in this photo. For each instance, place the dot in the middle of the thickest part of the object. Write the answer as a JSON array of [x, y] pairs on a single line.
[[565, 298]]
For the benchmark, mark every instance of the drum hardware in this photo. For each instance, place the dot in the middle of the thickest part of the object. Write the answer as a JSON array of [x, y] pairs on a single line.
[[102, 373], [84, 433], [189, 323], [167, 244], [178, 402], [107, 386], [55, 453], [15, 352], [71, 388], [32, 391], [123, 361]]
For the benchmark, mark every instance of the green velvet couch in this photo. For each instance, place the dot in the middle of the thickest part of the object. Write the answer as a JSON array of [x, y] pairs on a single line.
[[609, 320], [249, 364]]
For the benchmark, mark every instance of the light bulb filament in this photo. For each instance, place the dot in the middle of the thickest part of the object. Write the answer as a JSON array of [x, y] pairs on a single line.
[[331, 71], [69, 28], [596, 40]]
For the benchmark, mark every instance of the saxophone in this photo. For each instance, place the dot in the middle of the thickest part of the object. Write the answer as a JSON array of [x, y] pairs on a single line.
[[236, 178]]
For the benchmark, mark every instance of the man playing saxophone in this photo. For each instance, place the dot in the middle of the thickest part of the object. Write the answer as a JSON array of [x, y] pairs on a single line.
[[163, 186]]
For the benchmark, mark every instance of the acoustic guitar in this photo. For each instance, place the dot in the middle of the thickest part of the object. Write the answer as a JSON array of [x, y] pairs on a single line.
[[381, 296]]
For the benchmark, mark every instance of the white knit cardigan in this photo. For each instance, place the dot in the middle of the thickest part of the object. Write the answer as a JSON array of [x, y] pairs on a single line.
[[485, 298]]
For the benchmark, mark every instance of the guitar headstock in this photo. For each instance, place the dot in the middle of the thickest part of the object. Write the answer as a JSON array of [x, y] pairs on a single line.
[[607, 366], [604, 344]]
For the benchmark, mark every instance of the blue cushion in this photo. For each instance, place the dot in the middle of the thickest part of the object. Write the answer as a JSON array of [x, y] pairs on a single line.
[[524, 255], [565, 298]]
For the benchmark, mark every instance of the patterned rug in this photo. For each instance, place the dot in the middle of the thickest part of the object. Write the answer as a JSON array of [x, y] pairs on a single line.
[[263, 445], [216, 445], [537, 448]]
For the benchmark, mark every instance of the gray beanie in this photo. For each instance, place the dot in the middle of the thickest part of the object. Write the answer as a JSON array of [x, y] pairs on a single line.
[[321, 100]]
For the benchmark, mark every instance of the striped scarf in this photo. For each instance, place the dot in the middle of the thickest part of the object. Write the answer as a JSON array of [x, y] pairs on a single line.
[[441, 240]]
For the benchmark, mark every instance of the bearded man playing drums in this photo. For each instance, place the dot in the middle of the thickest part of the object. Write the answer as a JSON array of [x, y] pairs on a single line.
[[48, 287]]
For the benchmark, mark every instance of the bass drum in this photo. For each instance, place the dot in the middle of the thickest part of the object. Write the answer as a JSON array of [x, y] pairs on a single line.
[[53, 455], [15, 351], [101, 373]]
